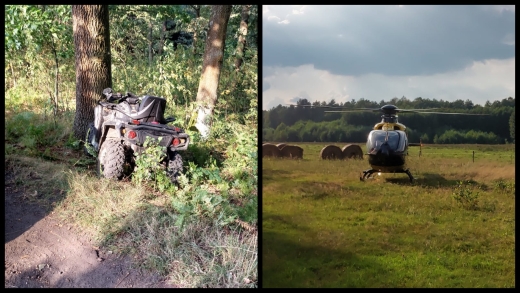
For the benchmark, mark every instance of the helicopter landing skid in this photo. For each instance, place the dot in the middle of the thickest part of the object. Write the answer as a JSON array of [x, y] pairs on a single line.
[[369, 172]]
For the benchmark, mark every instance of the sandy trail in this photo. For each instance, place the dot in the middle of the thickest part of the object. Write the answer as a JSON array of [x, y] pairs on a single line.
[[42, 251]]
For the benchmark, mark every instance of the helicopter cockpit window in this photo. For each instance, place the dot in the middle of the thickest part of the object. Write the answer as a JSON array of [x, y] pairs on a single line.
[[376, 138]]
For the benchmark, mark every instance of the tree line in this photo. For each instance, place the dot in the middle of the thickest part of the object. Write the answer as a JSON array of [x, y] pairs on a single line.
[[305, 124]]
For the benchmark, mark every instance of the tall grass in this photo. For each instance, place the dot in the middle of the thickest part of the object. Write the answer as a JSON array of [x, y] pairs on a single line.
[[323, 227]]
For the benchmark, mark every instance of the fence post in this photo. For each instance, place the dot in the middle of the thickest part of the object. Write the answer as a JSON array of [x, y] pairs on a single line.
[[473, 156]]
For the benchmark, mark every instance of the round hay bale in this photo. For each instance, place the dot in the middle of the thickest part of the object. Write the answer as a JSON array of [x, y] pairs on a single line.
[[270, 150], [292, 151], [281, 145], [352, 151], [331, 152]]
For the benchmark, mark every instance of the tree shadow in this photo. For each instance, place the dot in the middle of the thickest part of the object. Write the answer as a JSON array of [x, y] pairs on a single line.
[[427, 180], [274, 174], [22, 203], [424, 179], [292, 260], [19, 216]]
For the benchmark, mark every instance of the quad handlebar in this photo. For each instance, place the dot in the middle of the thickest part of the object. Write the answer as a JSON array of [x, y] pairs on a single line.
[[117, 97]]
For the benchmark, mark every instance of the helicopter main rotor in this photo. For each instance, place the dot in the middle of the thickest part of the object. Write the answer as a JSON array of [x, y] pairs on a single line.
[[386, 110]]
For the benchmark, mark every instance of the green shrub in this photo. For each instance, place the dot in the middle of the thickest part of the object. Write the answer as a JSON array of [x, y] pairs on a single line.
[[503, 186], [149, 169], [466, 196]]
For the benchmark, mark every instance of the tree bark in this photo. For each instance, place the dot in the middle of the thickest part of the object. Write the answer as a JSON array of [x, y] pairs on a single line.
[[211, 66], [242, 33], [92, 52]]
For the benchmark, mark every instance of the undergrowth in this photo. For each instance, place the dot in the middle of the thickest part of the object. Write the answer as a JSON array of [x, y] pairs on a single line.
[[210, 216]]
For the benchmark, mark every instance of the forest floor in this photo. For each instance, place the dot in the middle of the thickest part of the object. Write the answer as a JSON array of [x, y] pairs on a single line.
[[43, 252]]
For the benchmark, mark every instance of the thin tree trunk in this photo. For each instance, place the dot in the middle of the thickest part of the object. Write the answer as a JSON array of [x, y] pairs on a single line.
[[163, 35], [242, 33], [57, 71], [197, 13], [211, 66], [150, 44], [92, 52], [12, 74]]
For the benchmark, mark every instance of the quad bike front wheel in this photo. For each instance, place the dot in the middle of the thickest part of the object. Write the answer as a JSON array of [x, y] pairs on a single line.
[[175, 166], [111, 159]]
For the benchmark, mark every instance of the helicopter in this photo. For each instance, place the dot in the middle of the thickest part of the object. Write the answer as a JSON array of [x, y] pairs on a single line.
[[387, 144]]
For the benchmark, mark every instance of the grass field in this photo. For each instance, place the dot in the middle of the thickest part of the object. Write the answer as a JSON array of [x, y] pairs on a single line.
[[454, 227]]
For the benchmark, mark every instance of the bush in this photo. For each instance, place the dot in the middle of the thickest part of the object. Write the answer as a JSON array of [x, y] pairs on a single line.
[[503, 186], [149, 168], [466, 196]]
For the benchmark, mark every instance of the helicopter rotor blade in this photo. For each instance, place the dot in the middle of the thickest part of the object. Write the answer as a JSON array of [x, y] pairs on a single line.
[[335, 107], [394, 109], [353, 111], [448, 113], [415, 110]]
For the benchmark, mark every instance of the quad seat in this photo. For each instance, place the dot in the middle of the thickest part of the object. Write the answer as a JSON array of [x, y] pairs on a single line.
[[152, 109]]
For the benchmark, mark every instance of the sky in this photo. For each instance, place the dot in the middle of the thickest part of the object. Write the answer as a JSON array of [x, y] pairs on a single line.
[[381, 52]]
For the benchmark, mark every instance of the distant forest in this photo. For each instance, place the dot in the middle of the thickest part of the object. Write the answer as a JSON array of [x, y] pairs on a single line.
[[298, 124]]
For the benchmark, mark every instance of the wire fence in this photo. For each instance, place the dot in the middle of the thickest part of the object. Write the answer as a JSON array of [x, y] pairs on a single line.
[[469, 154]]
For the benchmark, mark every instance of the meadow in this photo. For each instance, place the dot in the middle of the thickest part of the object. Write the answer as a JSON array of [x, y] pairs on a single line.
[[453, 227]]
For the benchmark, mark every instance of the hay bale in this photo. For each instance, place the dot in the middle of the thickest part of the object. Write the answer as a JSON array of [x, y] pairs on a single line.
[[270, 150], [352, 151], [292, 151], [281, 145], [331, 152]]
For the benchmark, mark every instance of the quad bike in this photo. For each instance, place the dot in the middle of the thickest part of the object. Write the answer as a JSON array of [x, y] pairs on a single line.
[[120, 128]]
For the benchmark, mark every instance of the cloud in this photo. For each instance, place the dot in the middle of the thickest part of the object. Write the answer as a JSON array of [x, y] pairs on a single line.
[[509, 39], [499, 8], [491, 79], [265, 86], [388, 40], [299, 9], [295, 99]]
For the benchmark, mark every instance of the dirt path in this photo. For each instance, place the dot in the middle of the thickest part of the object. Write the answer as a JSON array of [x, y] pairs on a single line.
[[42, 251]]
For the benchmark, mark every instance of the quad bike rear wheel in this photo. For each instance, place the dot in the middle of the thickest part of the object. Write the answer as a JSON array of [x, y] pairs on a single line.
[[111, 159], [175, 166]]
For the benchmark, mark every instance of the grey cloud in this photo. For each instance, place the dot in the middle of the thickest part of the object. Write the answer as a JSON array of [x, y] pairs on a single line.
[[413, 40], [265, 86]]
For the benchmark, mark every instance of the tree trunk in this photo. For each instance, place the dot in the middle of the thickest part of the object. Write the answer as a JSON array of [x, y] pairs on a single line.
[[92, 52], [211, 65], [163, 36], [197, 15], [242, 33]]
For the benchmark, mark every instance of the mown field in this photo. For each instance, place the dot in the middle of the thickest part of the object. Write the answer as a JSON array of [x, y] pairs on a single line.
[[454, 227]]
